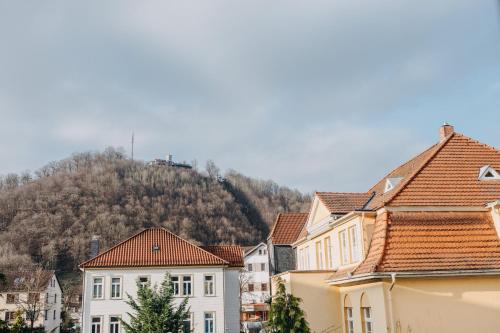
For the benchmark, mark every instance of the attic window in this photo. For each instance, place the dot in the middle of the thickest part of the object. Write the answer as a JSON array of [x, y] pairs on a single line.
[[391, 183], [488, 173], [156, 248]]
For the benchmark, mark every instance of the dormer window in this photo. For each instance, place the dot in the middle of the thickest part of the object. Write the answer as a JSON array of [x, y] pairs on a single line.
[[391, 183], [156, 247], [488, 173]]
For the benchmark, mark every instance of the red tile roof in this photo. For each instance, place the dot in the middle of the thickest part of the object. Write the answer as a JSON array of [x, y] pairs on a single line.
[[287, 228], [138, 251], [446, 174], [432, 241], [230, 253], [342, 202]]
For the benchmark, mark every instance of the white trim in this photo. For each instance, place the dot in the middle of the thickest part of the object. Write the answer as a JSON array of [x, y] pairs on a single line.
[[120, 289], [488, 169], [103, 289]]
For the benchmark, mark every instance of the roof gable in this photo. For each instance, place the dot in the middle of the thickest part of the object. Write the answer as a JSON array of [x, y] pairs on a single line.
[[154, 247], [343, 202]]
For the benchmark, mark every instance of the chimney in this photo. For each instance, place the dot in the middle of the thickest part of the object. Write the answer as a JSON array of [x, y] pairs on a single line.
[[169, 159], [94, 246], [445, 131]]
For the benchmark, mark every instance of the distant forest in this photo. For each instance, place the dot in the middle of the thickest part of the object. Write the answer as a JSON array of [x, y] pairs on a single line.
[[50, 216]]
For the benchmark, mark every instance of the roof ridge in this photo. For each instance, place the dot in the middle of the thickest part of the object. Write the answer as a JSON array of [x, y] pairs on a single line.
[[328, 192], [424, 163], [485, 145]]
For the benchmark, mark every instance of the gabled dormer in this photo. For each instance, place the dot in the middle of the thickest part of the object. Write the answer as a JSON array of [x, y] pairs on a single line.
[[488, 173], [391, 183]]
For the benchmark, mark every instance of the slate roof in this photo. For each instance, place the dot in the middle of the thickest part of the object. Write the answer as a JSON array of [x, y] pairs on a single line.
[[160, 247]]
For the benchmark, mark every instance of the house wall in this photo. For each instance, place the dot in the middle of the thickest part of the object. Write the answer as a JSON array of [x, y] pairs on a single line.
[[431, 305], [198, 302], [320, 302], [51, 324], [257, 276], [319, 212]]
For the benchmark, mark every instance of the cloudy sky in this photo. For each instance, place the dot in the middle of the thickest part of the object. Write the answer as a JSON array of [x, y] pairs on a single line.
[[316, 95]]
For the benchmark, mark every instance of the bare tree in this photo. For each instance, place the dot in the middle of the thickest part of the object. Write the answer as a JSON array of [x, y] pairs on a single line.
[[32, 283], [244, 279]]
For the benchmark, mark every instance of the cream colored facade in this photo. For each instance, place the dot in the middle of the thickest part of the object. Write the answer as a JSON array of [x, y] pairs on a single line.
[[410, 302]]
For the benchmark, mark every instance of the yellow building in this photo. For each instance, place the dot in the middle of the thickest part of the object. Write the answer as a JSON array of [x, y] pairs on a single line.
[[418, 252]]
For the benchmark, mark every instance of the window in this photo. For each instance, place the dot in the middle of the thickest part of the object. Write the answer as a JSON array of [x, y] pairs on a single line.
[[353, 235], [263, 267], [33, 297], [328, 253], [251, 287], [301, 258], [391, 182], [263, 287], [12, 298], [209, 285], [188, 324], [10, 316], [343, 247], [55, 298], [116, 287], [143, 281], [97, 287], [488, 173], [175, 285], [187, 288], [54, 315], [46, 297], [367, 320], [349, 321], [96, 325], [319, 256], [114, 324], [250, 268], [306, 258], [46, 316], [209, 322]]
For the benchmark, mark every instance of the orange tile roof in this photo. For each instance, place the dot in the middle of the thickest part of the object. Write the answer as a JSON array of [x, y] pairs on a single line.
[[342, 202], [230, 253], [137, 251], [446, 174], [287, 228], [432, 241]]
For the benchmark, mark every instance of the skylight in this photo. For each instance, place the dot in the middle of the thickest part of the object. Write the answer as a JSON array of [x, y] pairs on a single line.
[[391, 183], [488, 173]]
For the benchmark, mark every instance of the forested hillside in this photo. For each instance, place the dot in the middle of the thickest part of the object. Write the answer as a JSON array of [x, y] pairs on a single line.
[[49, 217]]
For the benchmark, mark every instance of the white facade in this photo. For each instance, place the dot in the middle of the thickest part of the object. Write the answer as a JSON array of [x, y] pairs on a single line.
[[256, 276], [50, 305], [221, 307]]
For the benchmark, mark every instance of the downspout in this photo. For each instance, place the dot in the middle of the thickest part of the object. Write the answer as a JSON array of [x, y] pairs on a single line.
[[391, 311]]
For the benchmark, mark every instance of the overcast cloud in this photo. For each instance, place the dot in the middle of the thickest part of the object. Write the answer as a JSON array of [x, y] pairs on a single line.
[[317, 95]]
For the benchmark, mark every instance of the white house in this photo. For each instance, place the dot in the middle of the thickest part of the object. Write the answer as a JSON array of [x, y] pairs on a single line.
[[255, 280], [208, 276], [36, 290]]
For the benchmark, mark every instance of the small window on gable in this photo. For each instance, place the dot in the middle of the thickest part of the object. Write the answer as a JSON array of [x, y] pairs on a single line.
[[488, 173], [391, 183]]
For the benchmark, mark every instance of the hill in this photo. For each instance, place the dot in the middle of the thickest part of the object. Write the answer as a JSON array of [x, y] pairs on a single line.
[[50, 217]]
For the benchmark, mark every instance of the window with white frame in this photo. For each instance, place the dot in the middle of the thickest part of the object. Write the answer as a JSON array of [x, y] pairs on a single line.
[[306, 259], [187, 324], [10, 316], [328, 252], [349, 320], [114, 324], [143, 281], [319, 255], [97, 287], [46, 315], [209, 285], [209, 319], [367, 320], [262, 267], [96, 323], [250, 267], [353, 236], [301, 258], [344, 247], [187, 285], [116, 287], [174, 280], [54, 315]]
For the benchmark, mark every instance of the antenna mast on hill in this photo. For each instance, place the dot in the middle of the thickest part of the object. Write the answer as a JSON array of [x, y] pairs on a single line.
[[132, 146]]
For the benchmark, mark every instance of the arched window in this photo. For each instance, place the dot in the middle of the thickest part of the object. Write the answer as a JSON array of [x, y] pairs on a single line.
[[366, 314], [348, 317]]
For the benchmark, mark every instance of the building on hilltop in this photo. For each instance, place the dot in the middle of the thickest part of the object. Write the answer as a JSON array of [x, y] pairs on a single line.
[[417, 252], [208, 276], [169, 162]]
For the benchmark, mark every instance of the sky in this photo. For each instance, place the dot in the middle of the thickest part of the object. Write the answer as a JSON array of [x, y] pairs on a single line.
[[315, 95]]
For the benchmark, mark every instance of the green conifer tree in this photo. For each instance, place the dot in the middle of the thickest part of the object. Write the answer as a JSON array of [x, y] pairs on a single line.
[[285, 315], [155, 311]]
